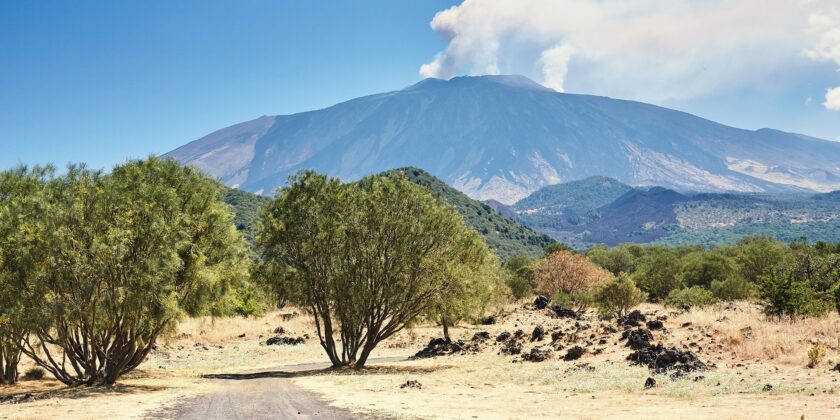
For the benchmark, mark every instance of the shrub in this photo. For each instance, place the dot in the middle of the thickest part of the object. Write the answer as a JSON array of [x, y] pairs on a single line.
[[615, 260], [690, 297], [519, 287], [658, 274], [555, 247], [34, 374], [701, 268], [733, 288], [786, 295], [816, 354], [617, 297], [578, 302], [565, 272]]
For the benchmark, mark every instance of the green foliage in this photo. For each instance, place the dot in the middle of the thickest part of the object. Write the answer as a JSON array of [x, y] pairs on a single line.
[[505, 236], [106, 263], [34, 374], [616, 260], [368, 258], [690, 297], [557, 247], [733, 288], [617, 297], [701, 268], [519, 287], [786, 294], [756, 257], [659, 272], [556, 207], [246, 208], [579, 302]]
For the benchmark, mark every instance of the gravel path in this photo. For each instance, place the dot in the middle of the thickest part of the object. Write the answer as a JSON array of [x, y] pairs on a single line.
[[262, 395]]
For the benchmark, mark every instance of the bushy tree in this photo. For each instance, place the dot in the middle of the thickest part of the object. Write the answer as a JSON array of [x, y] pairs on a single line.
[[757, 257], [367, 258], [126, 254], [615, 298], [733, 288], [520, 275], [702, 268], [555, 247], [691, 297], [658, 273], [20, 207], [786, 293], [615, 260], [565, 272]]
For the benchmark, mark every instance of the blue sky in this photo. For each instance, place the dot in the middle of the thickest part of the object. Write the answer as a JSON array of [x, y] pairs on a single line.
[[101, 81]]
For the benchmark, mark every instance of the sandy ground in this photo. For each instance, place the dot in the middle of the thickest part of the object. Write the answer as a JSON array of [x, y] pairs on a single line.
[[748, 353]]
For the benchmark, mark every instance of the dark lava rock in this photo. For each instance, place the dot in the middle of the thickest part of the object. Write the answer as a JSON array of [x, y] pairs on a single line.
[[280, 330], [574, 353], [411, 384], [538, 334], [767, 388], [637, 339], [655, 325], [564, 312], [556, 335], [518, 334], [241, 335], [504, 335], [660, 359], [481, 336], [489, 320], [633, 319], [442, 347], [512, 347], [541, 302], [650, 383], [836, 368], [537, 354], [287, 341]]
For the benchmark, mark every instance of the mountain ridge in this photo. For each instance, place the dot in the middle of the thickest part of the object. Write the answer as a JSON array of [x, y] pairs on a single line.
[[504, 137]]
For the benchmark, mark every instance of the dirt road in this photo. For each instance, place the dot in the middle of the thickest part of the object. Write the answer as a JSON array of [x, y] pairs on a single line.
[[262, 395]]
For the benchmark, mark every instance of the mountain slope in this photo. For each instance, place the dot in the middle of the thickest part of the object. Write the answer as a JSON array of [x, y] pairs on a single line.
[[505, 236], [503, 137]]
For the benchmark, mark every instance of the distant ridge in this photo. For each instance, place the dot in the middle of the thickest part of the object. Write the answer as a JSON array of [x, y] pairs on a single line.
[[504, 137]]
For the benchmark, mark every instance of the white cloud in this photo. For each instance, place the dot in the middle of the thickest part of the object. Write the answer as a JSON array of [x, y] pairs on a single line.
[[655, 50], [832, 99], [826, 27]]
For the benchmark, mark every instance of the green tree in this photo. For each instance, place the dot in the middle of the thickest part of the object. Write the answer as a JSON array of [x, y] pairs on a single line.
[[690, 297], [129, 253], [702, 268], [557, 246], [20, 190], [520, 277], [615, 260], [367, 259], [617, 297], [757, 257], [658, 273]]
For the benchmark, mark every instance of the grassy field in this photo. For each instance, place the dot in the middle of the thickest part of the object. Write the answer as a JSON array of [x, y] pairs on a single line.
[[747, 351]]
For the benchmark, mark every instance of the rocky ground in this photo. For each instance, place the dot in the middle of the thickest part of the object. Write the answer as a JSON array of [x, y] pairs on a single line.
[[526, 361]]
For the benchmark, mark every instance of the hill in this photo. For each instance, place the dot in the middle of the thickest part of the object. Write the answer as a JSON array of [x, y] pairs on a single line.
[[505, 236], [246, 207], [504, 137]]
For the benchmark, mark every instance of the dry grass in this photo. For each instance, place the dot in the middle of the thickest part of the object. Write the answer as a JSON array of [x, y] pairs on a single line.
[[750, 335]]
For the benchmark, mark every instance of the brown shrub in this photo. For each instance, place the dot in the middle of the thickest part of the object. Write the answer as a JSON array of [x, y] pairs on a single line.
[[565, 272]]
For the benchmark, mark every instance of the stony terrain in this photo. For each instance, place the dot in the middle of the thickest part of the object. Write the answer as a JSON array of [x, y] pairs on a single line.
[[525, 361]]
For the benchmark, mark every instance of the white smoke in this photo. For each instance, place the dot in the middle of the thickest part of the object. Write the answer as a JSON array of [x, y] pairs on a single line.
[[826, 26], [654, 50]]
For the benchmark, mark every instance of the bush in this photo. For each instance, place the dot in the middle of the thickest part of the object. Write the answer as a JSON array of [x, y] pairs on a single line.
[[816, 355], [733, 288], [565, 272], [617, 297], [690, 297], [519, 287], [659, 273], [701, 268], [578, 302], [786, 295], [34, 374]]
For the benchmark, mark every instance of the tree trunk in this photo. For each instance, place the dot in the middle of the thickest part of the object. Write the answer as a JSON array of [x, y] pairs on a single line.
[[445, 325], [8, 366], [369, 346]]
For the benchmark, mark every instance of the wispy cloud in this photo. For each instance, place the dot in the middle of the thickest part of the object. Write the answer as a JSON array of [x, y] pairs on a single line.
[[656, 50]]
